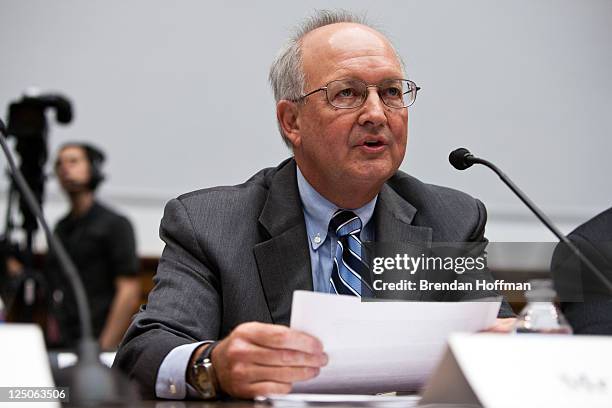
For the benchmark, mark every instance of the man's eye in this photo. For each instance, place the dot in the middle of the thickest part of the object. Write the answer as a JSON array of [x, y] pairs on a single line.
[[346, 93], [393, 92]]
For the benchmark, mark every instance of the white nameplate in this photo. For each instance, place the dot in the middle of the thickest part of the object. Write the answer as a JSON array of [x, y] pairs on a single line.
[[24, 362], [525, 370]]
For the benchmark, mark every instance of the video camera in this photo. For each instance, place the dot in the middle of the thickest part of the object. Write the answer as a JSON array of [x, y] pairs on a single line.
[[27, 122]]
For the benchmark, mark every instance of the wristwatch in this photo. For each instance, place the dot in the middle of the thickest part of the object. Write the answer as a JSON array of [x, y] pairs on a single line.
[[202, 374]]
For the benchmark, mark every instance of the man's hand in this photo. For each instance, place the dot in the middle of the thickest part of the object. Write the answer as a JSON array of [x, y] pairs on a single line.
[[259, 359], [125, 303], [14, 268], [501, 325]]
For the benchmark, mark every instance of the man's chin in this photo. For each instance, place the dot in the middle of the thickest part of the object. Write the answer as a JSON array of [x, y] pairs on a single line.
[[374, 172], [74, 188]]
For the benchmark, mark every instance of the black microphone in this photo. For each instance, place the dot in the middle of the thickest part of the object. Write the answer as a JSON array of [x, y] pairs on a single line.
[[461, 159], [91, 383]]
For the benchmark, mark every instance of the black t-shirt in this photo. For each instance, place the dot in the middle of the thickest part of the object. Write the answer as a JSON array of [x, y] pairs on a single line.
[[101, 243]]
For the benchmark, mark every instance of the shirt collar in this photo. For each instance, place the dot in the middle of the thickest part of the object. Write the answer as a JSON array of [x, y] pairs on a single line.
[[318, 211]]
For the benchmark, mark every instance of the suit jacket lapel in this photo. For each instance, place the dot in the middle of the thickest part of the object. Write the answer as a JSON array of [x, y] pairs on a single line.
[[394, 218], [284, 259]]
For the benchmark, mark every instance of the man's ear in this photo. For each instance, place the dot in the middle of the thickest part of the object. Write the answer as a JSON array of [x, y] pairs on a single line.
[[287, 115]]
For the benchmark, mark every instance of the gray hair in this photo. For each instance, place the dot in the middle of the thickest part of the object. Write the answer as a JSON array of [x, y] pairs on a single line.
[[287, 74]]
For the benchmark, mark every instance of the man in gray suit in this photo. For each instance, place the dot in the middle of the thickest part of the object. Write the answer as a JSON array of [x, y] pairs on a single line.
[[216, 320], [574, 281]]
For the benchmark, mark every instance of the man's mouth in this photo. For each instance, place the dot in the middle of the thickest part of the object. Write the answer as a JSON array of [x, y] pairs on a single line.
[[373, 143]]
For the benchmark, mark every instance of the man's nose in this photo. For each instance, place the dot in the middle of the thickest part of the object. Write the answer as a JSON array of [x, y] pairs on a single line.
[[373, 109]]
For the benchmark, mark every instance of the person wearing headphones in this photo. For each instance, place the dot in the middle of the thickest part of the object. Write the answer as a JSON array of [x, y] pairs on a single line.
[[102, 245]]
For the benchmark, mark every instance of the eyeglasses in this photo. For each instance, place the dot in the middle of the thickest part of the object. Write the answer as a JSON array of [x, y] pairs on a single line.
[[352, 93]]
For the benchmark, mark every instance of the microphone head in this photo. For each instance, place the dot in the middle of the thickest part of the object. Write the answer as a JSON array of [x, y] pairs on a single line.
[[460, 158], [2, 127]]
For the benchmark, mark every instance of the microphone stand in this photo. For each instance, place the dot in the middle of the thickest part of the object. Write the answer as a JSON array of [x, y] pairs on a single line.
[[91, 383], [470, 159]]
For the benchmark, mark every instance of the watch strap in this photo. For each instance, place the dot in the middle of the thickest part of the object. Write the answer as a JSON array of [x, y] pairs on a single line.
[[207, 353]]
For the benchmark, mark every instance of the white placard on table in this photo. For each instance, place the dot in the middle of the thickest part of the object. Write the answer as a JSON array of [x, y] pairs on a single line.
[[24, 361], [524, 370]]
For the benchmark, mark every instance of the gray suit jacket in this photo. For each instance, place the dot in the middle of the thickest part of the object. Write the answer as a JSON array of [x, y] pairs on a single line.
[[594, 239], [236, 254]]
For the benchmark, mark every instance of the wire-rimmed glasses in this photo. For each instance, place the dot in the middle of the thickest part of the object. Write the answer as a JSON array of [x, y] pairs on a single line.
[[352, 93]]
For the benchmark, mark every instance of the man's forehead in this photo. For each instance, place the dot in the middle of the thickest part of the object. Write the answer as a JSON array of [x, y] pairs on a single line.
[[71, 151], [339, 35], [336, 42]]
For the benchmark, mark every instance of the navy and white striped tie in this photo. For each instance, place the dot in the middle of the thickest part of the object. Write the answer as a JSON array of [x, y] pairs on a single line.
[[349, 273]]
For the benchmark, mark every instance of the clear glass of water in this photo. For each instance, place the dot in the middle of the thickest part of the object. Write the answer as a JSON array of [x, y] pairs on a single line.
[[541, 315]]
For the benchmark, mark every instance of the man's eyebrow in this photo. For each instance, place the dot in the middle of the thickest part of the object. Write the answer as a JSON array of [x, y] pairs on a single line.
[[391, 78]]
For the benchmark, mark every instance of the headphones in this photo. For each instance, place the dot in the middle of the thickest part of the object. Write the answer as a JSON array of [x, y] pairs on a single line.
[[96, 159]]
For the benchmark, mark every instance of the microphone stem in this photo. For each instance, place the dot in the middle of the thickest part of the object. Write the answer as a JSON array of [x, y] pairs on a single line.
[[545, 220]]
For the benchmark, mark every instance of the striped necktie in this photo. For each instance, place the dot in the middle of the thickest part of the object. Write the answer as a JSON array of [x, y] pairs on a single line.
[[349, 272]]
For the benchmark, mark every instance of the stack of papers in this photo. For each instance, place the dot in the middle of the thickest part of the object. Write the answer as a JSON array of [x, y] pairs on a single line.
[[377, 347]]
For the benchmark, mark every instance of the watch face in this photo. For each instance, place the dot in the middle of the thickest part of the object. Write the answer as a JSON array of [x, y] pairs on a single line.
[[203, 380]]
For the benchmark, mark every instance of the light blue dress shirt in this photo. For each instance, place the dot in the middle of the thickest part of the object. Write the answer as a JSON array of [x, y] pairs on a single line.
[[318, 211]]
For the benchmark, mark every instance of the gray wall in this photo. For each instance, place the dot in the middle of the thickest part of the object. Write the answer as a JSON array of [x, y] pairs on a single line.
[[176, 93]]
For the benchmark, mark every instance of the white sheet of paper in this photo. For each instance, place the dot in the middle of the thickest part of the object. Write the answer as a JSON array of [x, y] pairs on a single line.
[[381, 346], [301, 400]]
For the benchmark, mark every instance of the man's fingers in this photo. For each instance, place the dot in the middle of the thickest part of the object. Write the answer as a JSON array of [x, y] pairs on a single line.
[[266, 388], [279, 337], [292, 358], [260, 359], [243, 351], [503, 325], [258, 373]]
